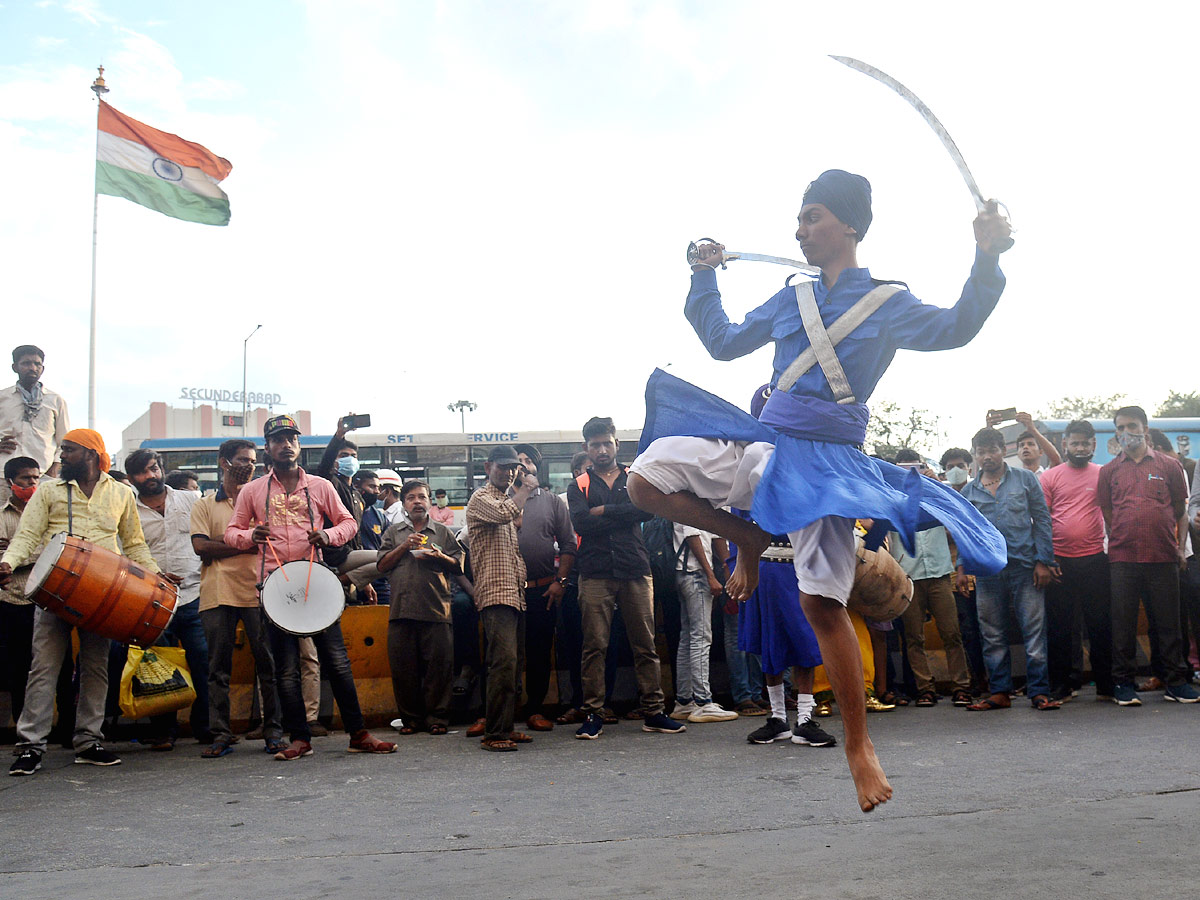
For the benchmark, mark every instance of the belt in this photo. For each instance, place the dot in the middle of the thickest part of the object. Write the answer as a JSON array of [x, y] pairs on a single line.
[[541, 582]]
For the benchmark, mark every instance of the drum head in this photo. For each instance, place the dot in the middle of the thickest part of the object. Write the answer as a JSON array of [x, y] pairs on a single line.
[[46, 562], [285, 603]]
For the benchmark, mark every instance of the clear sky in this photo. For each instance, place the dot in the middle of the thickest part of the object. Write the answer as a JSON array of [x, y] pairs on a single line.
[[491, 200]]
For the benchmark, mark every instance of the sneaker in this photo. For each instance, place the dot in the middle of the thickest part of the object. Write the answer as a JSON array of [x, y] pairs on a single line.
[[711, 712], [1181, 693], [294, 750], [96, 755], [772, 730], [27, 763], [1125, 695], [811, 734], [592, 728], [683, 710], [664, 725]]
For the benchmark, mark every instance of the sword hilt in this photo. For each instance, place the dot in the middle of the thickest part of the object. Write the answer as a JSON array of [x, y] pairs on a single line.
[[693, 253], [994, 206]]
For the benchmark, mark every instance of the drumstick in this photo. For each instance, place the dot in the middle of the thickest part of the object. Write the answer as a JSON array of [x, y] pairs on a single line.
[[311, 554], [278, 563]]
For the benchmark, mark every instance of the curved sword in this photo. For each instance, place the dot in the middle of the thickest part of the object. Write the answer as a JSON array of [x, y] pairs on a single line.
[[731, 255], [927, 114]]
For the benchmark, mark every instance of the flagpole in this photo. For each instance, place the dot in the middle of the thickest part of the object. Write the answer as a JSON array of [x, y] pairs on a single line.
[[98, 88]]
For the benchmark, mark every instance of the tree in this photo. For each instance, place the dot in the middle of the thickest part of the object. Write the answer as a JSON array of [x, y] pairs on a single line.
[[1093, 407], [893, 426], [1178, 404]]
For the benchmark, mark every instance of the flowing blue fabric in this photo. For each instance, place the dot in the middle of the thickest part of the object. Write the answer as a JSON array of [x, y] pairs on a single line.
[[809, 479]]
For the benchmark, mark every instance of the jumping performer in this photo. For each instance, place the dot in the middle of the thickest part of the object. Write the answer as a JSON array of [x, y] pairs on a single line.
[[798, 469]]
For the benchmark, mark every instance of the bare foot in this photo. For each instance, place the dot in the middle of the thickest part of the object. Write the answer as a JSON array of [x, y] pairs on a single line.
[[744, 578], [869, 780]]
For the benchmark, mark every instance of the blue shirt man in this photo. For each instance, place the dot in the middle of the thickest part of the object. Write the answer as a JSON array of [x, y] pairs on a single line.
[[1012, 500]]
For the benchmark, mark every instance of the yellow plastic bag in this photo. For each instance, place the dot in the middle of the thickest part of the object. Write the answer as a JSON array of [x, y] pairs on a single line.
[[156, 680]]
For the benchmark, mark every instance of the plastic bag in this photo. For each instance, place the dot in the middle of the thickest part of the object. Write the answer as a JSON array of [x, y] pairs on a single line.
[[155, 680]]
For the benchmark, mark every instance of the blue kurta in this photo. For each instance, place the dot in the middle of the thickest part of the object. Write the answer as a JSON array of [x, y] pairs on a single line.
[[816, 471]]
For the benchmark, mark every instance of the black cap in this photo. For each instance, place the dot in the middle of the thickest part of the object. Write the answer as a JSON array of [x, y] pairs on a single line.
[[278, 424], [505, 456]]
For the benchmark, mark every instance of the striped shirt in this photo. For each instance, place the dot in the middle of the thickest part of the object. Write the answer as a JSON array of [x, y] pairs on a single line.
[[496, 563]]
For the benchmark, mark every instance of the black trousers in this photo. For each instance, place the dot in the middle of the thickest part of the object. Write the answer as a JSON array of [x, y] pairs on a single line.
[[540, 625], [16, 623], [1157, 586], [1086, 588]]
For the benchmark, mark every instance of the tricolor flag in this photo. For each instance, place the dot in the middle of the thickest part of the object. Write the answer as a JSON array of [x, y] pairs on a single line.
[[159, 170]]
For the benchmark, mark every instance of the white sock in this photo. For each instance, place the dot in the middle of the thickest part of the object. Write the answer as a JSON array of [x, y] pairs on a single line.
[[778, 706], [804, 707]]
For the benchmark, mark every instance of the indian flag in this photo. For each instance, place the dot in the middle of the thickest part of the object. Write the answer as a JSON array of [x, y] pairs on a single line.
[[159, 170]]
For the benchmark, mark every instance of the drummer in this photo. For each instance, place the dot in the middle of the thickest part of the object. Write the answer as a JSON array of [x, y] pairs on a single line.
[[279, 513], [101, 511]]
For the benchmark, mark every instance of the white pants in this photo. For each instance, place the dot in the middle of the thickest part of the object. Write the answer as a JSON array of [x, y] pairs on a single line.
[[726, 473]]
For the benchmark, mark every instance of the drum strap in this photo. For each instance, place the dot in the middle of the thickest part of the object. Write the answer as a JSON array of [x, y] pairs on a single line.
[[70, 512], [262, 556]]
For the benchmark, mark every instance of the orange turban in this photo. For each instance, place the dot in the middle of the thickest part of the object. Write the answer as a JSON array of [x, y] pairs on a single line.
[[85, 437]]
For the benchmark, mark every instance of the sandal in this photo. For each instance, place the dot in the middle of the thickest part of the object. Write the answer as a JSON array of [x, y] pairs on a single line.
[[962, 698], [497, 745], [895, 699], [220, 747], [408, 729], [274, 745], [572, 716], [437, 729], [609, 717], [995, 701], [927, 698], [520, 737], [1042, 702]]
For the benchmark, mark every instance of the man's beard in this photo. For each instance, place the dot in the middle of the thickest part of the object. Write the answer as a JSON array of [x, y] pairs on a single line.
[[151, 487], [73, 471]]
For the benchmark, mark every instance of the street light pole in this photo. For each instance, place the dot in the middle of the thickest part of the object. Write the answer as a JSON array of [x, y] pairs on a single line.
[[245, 409], [463, 407]]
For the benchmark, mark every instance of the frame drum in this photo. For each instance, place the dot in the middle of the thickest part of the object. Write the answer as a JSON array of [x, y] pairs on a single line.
[[303, 597], [100, 591]]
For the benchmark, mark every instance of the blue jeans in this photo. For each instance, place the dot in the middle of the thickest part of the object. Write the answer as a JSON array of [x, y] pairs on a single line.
[[187, 631], [695, 638], [745, 669], [995, 596]]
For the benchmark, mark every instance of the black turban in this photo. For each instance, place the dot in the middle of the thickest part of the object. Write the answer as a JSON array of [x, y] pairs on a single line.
[[530, 451], [845, 195]]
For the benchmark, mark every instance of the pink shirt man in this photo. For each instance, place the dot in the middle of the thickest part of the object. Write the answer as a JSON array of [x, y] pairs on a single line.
[[289, 516], [1075, 518]]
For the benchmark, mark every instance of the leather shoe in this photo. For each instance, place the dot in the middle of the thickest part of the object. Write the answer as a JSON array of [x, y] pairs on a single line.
[[478, 727], [538, 722]]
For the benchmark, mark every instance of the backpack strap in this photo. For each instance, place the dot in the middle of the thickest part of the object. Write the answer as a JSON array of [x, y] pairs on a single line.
[[822, 341]]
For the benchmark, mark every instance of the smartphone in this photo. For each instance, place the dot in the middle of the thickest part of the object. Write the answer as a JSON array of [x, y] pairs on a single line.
[[1005, 415], [363, 421]]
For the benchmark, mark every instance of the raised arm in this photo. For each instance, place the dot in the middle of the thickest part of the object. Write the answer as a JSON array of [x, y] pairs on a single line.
[[912, 325], [721, 338]]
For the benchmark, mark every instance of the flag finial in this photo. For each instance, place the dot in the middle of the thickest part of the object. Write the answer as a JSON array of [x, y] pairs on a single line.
[[98, 85]]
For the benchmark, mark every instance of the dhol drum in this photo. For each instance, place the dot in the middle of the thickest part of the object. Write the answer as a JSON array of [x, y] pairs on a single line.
[[303, 597], [881, 589], [100, 591]]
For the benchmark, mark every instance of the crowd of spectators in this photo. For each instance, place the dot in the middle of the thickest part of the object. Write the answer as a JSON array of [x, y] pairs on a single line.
[[480, 617]]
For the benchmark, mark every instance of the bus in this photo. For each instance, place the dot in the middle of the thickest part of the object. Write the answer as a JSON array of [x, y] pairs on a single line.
[[1183, 432], [450, 462]]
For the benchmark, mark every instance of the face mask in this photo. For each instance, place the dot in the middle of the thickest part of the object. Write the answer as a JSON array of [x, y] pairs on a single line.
[[1130, 442], [24, 494], [957, 477], [347, 466], [442, 502], [241, 474], [1080, 458], [370, 499]]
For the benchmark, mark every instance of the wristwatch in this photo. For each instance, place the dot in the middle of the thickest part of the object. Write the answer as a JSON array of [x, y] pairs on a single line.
[[562, 581]]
